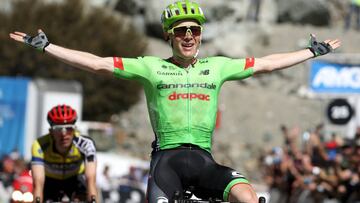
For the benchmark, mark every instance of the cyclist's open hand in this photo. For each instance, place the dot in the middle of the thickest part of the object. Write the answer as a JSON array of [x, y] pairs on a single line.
[[322, 48], [39, 42]]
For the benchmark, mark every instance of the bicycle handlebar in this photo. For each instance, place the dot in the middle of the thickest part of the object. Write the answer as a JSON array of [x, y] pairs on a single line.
[[93, 199]]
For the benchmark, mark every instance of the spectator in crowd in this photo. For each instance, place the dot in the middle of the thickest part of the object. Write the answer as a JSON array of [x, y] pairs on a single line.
[[131, 189], [332, 147], [315, 148], [14, 173], [104, 183], [22, 178], [8, 171]]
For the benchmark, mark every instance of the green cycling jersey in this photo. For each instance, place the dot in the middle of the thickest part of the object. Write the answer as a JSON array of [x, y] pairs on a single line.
[[182, 103]]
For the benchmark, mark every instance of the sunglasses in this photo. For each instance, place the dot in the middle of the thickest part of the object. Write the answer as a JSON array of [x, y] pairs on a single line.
[[63, 128], [183, 30]]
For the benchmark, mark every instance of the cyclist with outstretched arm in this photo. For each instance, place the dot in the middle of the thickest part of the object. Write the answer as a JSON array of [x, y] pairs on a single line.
[[182, 95], [63, 161]]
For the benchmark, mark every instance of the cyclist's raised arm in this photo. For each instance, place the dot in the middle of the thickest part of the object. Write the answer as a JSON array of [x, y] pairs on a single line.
[[284, 60], [38, 176], [79, 59]]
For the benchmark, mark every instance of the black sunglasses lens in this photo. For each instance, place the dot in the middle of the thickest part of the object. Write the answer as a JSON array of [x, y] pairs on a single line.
[[181, 31], [195, 30]]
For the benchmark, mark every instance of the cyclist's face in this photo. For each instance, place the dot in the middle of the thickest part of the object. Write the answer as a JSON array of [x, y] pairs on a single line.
[[63, 135], [185, 38]]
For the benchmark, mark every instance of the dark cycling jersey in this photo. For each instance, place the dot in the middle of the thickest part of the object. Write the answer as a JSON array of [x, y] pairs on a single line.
[[182, 103]]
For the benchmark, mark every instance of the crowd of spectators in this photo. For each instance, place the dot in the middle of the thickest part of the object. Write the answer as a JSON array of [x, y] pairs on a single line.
[[312, 167], [129, 188], [14, 171]]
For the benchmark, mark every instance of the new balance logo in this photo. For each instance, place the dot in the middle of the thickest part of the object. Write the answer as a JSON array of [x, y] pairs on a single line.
[[237, 174], [205, 72]]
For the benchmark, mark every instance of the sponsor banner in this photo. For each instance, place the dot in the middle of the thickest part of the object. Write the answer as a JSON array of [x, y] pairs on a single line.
[[13, 94], [334, 78]]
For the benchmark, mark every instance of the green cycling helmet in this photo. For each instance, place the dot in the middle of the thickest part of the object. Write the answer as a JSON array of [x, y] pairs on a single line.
[[181, 10]]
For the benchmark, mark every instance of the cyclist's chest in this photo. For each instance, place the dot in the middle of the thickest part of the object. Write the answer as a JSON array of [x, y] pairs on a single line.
[[73, 155], [197, 78]]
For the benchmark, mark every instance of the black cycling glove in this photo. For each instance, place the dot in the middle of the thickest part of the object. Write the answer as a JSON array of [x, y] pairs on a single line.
[[38, 42], [318, 48]]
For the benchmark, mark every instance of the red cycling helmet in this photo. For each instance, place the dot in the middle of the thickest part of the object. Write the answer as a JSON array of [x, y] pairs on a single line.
[[61, 114]]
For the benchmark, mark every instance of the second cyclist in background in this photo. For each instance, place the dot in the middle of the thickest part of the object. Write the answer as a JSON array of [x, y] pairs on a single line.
[[63, 161]]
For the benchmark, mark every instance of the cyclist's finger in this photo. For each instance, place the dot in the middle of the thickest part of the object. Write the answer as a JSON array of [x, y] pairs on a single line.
[[17, 36], [334, 41], [20, 33], [335, 44], [39, 31]]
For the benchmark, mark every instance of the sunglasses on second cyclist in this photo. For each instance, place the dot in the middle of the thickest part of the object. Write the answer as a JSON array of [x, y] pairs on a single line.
[[183, 30], [63, 128]]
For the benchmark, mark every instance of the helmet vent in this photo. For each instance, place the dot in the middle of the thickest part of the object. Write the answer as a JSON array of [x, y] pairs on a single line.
[[177, 12], [184, 8], [168, 13]]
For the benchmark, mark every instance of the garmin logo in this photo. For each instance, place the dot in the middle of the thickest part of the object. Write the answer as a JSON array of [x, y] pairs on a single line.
[[172, 86], [331, 77], [169, 73]]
